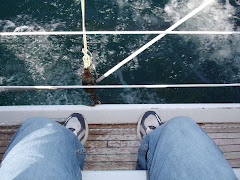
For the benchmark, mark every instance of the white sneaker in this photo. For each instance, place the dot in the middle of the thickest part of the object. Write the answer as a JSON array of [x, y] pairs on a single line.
[[78, 125], [147, 123]]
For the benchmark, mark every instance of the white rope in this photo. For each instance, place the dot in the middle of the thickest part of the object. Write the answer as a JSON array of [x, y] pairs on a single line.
[[15, 88], [116, 32], [87, 58], [191, 14]]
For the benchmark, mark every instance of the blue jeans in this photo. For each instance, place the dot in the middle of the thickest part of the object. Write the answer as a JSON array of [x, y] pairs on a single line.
[[179, 149], [43, 149]]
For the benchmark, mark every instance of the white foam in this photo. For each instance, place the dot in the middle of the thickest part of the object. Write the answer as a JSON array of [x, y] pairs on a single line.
[[137, 96], [7, 25], [218, 16], [34, 50], [1, 80]]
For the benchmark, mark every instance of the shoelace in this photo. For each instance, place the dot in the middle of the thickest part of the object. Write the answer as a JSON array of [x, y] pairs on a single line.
[[150, 129], [71, 129]]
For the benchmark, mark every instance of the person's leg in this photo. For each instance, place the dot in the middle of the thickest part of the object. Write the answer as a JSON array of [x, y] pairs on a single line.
[[180, 149], [43, 149]]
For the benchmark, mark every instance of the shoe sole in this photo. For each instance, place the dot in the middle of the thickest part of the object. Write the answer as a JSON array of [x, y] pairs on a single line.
[[138, 128], [86, 131]]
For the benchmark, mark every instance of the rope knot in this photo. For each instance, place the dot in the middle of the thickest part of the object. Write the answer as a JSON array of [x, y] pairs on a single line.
[[87, 58]]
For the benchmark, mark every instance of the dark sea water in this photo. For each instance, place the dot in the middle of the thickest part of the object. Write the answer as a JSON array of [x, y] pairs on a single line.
[[57, 60]]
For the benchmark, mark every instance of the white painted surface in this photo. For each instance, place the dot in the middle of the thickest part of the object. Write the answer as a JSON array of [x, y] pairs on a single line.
[[124, 113], [126, 175], [237, 172], [113, 32], [116, 175], [21, 88]]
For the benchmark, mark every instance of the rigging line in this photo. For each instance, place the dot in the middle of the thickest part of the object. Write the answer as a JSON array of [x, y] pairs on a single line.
[[83, 26], [195, 11], [17, 88], [87, 57], [116, 32]]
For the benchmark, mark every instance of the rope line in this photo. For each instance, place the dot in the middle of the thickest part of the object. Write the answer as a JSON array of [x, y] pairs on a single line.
[[191, 14], [39, 33], [16, 88], [87, 56], [83, 26]]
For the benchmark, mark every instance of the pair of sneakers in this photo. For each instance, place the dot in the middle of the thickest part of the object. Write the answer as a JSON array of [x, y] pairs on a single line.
[[78, 125]]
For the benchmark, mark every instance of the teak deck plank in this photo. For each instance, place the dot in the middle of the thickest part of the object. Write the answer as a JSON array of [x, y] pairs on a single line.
[[111, 158], [112, 131], [124, 143], [234, 163], [115, 147], [230, 148], [94, 144], [232, 155], [224, 135], [110, 151], [110, 166], [114, 137], [227, 141]]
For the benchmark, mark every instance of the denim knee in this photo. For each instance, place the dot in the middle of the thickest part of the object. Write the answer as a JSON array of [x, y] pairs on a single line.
[[181, 122], [37, 121]]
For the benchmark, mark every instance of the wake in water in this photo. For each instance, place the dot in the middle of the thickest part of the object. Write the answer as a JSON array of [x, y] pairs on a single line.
[[56, 60], [221, 51]]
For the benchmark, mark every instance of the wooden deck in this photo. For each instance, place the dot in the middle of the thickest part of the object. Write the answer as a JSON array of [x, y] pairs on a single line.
[[114, 147]]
